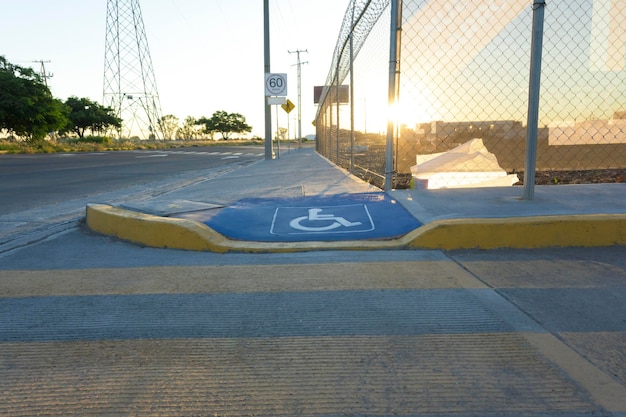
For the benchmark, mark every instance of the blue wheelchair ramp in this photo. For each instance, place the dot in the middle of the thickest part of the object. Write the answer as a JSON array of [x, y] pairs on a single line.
[[319, 218]]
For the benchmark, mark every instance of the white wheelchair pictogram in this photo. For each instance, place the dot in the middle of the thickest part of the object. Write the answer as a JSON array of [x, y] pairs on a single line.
[[316, 216]]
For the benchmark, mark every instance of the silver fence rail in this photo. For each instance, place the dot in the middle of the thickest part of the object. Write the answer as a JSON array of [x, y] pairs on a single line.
[[460, 113]]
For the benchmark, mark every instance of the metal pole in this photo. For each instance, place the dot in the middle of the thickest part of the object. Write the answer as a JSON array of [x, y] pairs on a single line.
[[266, 70], [352, 92], [532, 125], [337, 98], [277, 135], [300, 63], [331, 120], [394, 65], [299, 101]]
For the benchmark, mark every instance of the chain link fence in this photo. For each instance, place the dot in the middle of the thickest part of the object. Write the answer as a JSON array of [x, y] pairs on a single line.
[[461, 105]]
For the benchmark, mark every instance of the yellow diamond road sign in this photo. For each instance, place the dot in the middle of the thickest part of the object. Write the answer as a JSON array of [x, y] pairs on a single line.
[[288, 106]]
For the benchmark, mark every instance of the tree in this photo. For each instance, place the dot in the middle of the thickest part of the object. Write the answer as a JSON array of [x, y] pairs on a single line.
[[168, 125], [27, 107], [282, 133], [225, 123], [189, 130], [89, 115]]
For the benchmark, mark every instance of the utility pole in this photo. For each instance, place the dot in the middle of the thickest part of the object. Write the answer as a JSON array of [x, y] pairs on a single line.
[[42, 72], [299, 64]]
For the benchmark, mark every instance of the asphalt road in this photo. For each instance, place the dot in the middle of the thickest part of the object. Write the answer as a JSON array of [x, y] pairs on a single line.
[[29, 181]]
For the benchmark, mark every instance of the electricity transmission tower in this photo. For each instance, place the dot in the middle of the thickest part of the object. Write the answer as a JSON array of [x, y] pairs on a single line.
[[129, 84]]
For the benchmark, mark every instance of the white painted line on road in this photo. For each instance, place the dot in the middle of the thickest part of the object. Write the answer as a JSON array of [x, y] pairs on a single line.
[[64, 155], [151, 156]]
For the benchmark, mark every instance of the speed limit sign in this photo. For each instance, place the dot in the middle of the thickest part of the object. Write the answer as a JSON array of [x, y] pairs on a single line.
[[276, 84]]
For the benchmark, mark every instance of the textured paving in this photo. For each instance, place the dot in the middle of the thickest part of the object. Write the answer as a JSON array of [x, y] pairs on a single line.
[[419, 375], [423, 338], [283, 314]]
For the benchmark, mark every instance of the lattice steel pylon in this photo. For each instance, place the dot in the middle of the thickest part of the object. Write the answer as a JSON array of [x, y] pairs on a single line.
[[129, 83]]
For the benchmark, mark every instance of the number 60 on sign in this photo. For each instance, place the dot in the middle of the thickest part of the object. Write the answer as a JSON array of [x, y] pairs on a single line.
[[276, 84]]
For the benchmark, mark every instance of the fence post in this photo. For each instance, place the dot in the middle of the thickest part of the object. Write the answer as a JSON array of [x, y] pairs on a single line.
[[338, 110], [532, 125], [394, 66], [352, 90]]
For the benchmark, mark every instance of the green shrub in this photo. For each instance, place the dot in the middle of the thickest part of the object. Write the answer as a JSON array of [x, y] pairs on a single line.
[[10, 146], [102, 140]]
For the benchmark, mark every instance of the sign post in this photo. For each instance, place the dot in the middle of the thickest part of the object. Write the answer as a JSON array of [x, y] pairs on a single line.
[[288, 106], [275, 94], [266, 69]]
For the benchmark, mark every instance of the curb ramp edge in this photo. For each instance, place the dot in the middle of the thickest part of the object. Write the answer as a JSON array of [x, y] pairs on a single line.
[[586, 230]]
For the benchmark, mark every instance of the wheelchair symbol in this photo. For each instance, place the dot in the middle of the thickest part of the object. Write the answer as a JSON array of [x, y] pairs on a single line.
[[315, 216]]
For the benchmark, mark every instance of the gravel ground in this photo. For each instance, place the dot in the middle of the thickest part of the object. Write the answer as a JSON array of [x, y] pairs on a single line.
[[596, 176]]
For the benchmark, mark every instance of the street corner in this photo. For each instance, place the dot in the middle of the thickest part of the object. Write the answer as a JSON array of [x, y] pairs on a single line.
[[342, 217]]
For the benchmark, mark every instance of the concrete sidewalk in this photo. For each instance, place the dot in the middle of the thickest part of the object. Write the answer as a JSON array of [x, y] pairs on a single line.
[[482, 333], [559, 216]]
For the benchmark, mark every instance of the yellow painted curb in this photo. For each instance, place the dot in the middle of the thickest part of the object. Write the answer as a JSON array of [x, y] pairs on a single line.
[[523, 232], [153, 231], [488, 233]]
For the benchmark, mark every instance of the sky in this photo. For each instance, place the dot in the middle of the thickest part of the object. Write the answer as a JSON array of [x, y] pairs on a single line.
[[207, 55]]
